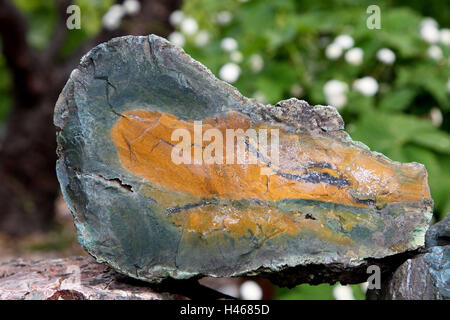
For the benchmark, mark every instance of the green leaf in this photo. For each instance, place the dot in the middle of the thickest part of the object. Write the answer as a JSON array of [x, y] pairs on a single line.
[[434, 139], [438, 173], [397, 99]]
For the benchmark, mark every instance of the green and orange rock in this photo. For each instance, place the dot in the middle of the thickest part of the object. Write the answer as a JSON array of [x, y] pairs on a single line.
[[321, 213]]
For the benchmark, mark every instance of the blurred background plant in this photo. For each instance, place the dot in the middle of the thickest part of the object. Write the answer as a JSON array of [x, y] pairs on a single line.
[[391, 85]]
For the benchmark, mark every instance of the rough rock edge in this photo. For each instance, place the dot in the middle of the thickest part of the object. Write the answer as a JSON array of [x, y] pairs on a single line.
[[421, 277], [293, 113], [76, 278]]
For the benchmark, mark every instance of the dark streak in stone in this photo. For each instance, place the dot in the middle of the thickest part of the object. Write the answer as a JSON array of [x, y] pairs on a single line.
[[369, 202], [316, 177], [117, 181], [108, 84], [188, 206], [310, 216]]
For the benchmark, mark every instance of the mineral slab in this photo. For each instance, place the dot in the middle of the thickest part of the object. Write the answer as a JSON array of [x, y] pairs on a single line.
[[319, 207]]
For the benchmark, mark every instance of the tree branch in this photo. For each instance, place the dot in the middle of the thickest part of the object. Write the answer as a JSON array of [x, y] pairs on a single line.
[[13, 29], [19, 56]]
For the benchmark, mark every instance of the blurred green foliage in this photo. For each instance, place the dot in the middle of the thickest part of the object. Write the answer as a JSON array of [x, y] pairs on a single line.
[[42, 20], [319, 292], [41, 17], [5, 90]]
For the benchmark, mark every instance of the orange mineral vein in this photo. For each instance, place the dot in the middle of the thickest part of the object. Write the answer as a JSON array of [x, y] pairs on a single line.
[[310, 167]]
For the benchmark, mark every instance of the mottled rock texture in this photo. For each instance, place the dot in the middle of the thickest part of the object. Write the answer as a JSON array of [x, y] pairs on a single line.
[[439, 233], [425, 276], [328, 209], [77, 278]]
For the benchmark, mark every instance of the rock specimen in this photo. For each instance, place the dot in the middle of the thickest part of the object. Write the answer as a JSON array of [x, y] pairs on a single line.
[[170, 172], [439, 233], [77, 278], [424, 277]]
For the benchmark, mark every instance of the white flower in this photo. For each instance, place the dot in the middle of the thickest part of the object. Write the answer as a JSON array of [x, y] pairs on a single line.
[[354, 56], [334, 88], [429, 33], [333, 51], [296, 90], [202, 38], [368, 86], [131, 6], [256, 62], [444, 36], [176, 38], [176, 17], [386, 56], [229, 44], [229, 72], [337, 101], [435, 52], [236, 56], [335, 91], [429, 21], [250, 290], [341, 292], [344, 41], [224, 17], [436, 116], [112, 18], [189, 26]]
